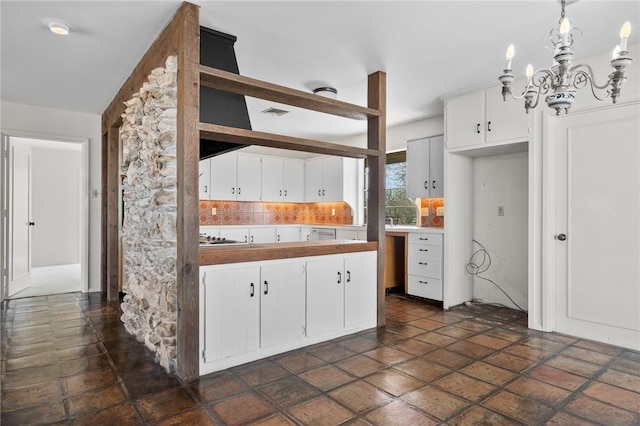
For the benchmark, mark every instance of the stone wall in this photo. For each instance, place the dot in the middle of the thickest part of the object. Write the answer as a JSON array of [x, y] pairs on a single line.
[[148, 136]]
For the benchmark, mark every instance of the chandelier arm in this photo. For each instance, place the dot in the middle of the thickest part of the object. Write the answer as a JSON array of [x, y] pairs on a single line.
[[542, 79], [590, 75], [593, 86]]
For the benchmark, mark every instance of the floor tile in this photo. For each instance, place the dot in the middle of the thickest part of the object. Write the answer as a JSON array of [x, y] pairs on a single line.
[[242, 409], [564, 419], [388, 355], [626, 365], [165, 404], [435, 402], [448, 359], [95, 400], [15, 399], [90, 380], [359, 396], [331, 352], [218, 386], [489, 341], [298, 363], [509, 362], [614, 395], [599, 412], [436, 339], [489, 373], [477, 416], [422, 369], [360, 365], [556, 377], [599, 347], [321, 411], [288, 391], [523, 409], [624, 380], [587, 355], [405, 330], [540, 391], [274, 420], [528, 352], [414, 347], [122, 414], [261, 373], [394, 382], [426, 324], [470, 349], [456, 332], [399, 413], [326, 377], [41, 414], [576, 366], [359, 344], [464, 386]]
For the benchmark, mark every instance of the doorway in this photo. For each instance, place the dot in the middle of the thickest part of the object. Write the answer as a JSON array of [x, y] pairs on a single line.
[[45, 215]]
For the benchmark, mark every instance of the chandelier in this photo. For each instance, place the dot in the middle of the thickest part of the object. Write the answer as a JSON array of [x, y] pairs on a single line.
[[560, 82]]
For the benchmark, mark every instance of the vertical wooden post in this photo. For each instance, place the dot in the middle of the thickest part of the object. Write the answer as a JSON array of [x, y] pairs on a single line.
[[377, 139], [188, 155], [112, 198]]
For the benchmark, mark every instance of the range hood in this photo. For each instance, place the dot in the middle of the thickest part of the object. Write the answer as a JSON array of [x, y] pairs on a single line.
[[216, 106]]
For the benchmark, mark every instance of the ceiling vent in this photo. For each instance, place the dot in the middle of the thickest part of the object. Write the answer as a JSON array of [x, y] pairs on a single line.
[[275, 111]]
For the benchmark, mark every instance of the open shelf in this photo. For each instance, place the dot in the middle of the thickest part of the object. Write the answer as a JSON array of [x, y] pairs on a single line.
[[220, 133], [234, 83]]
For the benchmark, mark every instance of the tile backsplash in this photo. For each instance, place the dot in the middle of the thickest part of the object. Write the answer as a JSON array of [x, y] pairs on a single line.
[[432, 220], [265, 213]]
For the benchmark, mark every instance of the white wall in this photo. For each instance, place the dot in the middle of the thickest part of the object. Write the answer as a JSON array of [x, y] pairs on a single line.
[[55, 196], [502, 180], [51, 123], [397, 136]]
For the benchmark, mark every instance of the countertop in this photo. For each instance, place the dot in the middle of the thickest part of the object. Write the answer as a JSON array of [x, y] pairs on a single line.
[[237, 253]]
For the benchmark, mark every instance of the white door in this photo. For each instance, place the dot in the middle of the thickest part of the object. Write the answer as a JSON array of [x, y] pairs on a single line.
[[293, 179], [332, 179], [223, 169], [418, 168], [598, 226], [249, 175], [272, 189], [282, 300], [325, 295], [19, 249], [360, 288]]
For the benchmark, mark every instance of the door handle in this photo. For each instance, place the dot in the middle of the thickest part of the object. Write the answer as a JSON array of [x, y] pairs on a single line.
[[339, 277], [32, 223], [561, 237], [433, 185], [348, 276], [252, 238], [252, 287], [488, 126], [426, 184], [266, 287]]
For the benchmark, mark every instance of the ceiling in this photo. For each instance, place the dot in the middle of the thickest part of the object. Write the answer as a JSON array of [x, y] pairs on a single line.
[[427, 48]]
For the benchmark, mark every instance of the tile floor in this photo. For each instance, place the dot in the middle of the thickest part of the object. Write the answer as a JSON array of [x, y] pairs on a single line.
[[66, 360]]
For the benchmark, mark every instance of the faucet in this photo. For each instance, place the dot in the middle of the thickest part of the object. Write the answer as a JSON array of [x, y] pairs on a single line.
[[391, 222]]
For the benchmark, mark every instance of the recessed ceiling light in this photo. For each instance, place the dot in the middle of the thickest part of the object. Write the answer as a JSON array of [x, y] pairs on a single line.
[[56, 26]]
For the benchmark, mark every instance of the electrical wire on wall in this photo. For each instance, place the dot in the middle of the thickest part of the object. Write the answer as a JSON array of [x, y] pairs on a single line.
[[474, 268]]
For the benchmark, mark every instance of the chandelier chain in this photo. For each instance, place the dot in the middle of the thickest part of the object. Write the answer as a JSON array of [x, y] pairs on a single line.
[[562, 2]]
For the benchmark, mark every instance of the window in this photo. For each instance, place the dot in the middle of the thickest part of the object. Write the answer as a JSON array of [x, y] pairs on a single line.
[[398, 207]]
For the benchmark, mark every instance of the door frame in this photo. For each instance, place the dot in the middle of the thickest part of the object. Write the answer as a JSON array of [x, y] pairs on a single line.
[[6, 134]]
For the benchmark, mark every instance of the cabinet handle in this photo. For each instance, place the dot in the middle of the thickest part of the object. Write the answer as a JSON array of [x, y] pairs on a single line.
[[423, 250], [285, 192], [205, 189], [245, 238], [278, 239], [281, 192], [239, 190], [308, 236], [478, 128], [233, 190], [426, 184], [266, 287], [339, 277], [323, 192], [423, 239], [348, 276], [433, 185], [319, 192], [488, 126], [253, 288], [422, 263], [252, 238], [423, 282]]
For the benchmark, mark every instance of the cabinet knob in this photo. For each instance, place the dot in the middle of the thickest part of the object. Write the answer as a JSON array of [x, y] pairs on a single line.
[[561, 237], [422, 263], [205, 189], [478, 128], [488, 126], [433, 185], [426, 184], [339, 277]]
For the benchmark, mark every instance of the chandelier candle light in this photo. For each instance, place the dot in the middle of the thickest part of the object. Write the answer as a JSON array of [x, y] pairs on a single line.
[[561, 81]]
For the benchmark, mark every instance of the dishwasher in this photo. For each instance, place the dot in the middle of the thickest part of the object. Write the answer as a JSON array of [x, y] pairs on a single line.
[[323, 234]]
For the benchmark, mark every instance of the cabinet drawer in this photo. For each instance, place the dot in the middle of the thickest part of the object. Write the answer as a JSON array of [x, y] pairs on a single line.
[[426, 267], [424, 251], [430, 288], [424, 238]]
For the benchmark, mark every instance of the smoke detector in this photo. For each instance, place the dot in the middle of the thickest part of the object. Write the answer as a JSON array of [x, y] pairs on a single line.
[[56, 26]]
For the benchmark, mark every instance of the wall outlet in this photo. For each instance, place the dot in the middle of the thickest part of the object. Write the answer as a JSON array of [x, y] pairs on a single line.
[[440, 211], [500, 210], [214, 211], [333, 212], [424, 211]]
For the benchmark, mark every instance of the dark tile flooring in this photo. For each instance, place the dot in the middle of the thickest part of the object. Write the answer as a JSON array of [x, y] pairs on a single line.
[[67, 360]]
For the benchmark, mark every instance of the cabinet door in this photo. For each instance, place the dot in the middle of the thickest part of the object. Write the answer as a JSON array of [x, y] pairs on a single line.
[[436, 167], [360, 301], [313, 179], [205, 179], [464, 120], [249, 175], [262, 235], [232, 312], [293, 181], [505, 120], [346, 234], [236, 234], [305, 233], [418, 182], [223, 176], [272, 179], [332, 179], [288, 234], [325, 295], [282, 303]]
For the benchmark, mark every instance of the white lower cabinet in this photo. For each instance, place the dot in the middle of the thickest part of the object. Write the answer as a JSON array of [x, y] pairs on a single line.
[[282, 299], [424, 265], [288, 234], [232, 311], [254, 310], [341, 293]]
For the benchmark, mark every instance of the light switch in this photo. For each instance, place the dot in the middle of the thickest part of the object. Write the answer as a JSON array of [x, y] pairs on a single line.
[[440, 211], [424, 211], [214, 211], [333, 212]]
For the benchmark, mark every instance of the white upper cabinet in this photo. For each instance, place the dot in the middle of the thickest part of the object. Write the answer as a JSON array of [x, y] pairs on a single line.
[[331, 179], [204, 179], [484, 118], [235, 176], [313, 179], [282, 179], [425, 170]]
